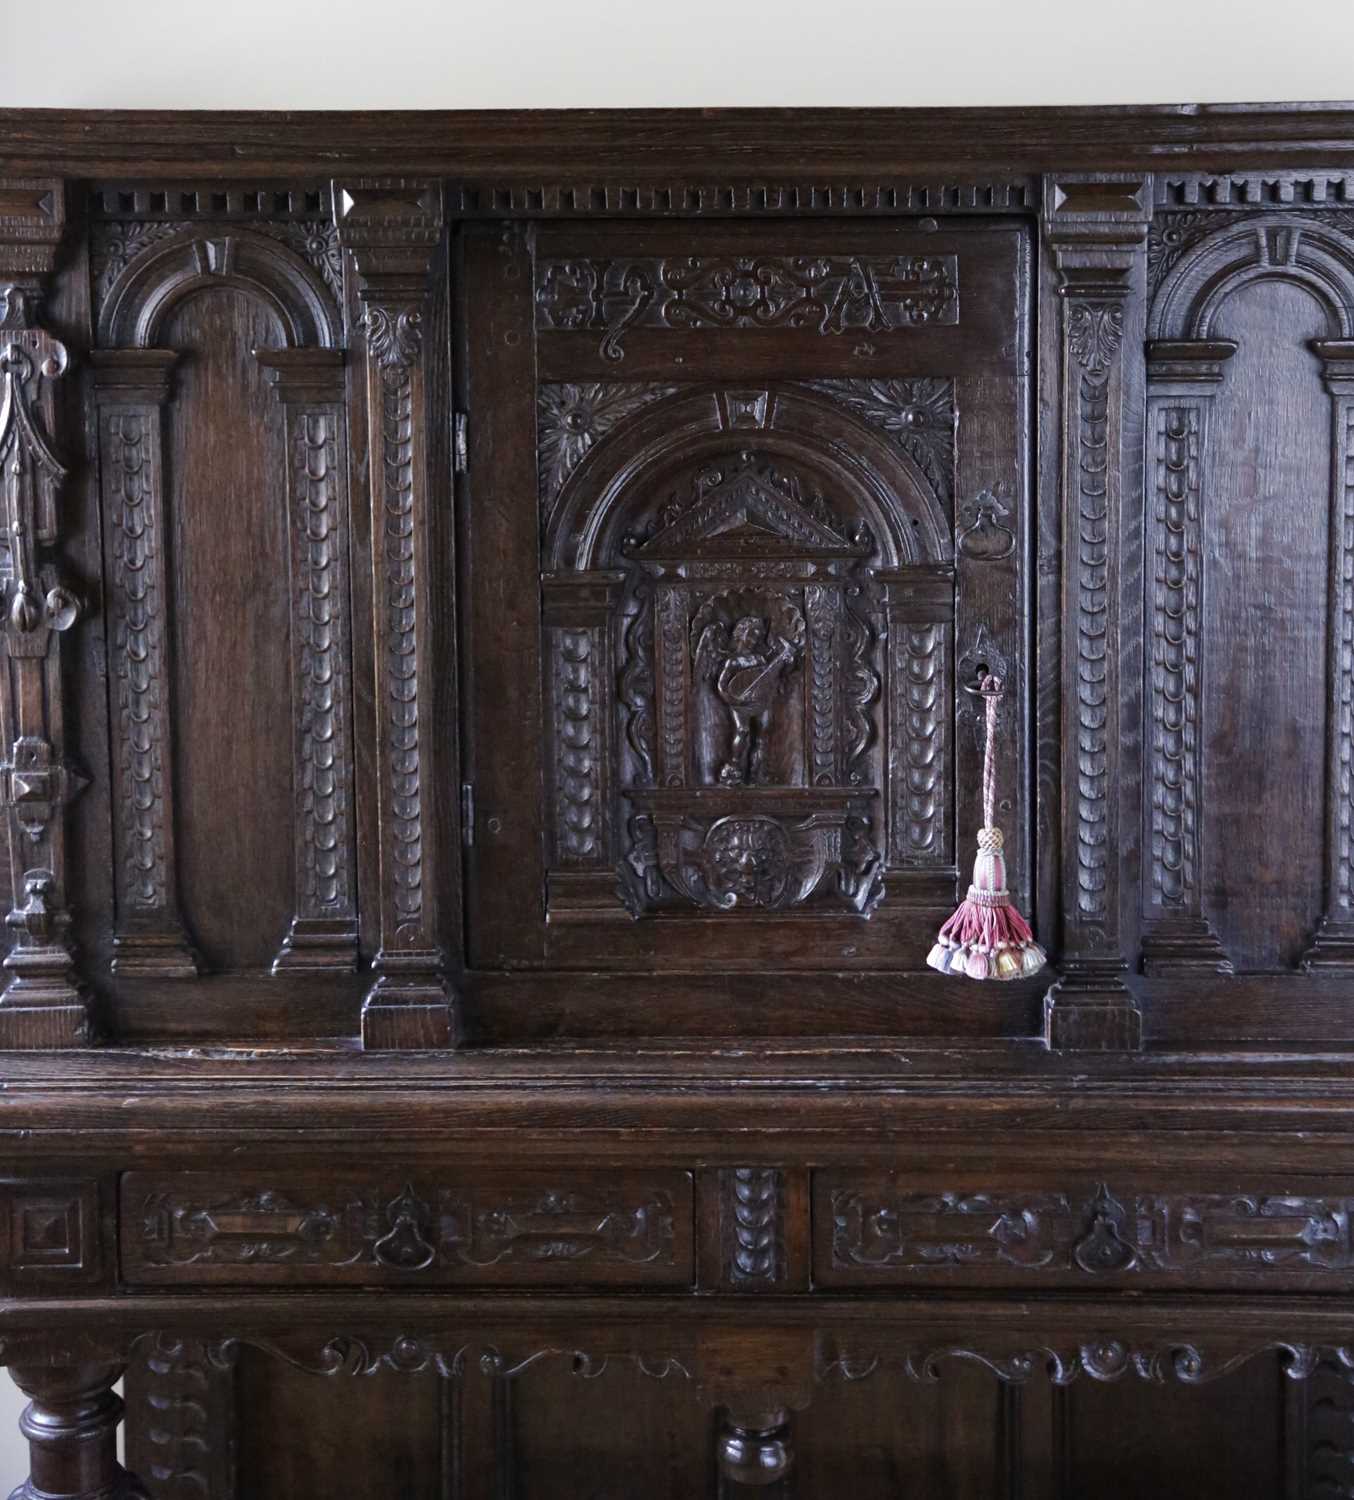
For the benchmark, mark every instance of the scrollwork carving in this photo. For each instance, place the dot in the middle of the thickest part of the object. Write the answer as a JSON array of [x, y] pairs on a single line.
[[828, 294], [1099, 1234]]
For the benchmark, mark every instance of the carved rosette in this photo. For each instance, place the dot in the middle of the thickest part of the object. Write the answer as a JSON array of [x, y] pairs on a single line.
[[393, 228], [1096, 227], [323, 932], [1182, 379]]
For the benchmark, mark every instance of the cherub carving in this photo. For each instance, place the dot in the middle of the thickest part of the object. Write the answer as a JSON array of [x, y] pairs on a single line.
[[748, 665]]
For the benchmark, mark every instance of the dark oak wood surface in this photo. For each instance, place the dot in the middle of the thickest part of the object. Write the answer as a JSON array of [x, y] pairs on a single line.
[[487, 603]]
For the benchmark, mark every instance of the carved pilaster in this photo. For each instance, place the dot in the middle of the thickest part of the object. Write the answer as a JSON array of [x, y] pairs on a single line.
[[921, 666], [1182, 378], [323, 933], [180, 1397], [150, 938], [71, 1424], [1332, 945], [1095, 226], [42, 1004], [393, 228]]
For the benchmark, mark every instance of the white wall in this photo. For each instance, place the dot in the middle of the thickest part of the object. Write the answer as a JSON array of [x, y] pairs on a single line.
[[422, 54]]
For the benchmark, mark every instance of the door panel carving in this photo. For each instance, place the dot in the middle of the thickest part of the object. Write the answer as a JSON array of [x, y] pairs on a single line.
[[748, 584]]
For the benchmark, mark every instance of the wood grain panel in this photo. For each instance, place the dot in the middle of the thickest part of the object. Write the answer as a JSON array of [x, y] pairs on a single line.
[[226, 512], [1264, 630]]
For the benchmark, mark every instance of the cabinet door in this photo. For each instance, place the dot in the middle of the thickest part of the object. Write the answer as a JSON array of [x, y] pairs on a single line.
[[745, 509]]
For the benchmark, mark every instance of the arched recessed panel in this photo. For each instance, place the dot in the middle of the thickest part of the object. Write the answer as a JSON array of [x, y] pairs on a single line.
[[227, 549], [143, 297], [1264, 635]]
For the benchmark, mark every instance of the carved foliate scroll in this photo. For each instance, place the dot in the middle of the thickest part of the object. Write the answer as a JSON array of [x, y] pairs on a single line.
[[1096, 226], [42, 1004], [749, 650], [831, 294], [393, 228]]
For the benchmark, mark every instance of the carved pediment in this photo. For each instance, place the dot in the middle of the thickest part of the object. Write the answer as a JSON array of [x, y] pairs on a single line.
[[748, 506]]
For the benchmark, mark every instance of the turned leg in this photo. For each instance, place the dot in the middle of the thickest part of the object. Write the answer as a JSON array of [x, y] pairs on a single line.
[[754, 1447], [71, 1424]]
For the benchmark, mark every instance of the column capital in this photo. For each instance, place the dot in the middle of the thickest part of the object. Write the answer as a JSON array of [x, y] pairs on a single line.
[[132, 377], [1337, 364], [1197, 364], [1095, 224], [392, 226], [304, 377]]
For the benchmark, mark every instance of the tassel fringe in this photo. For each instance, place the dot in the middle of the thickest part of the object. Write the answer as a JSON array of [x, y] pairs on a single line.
[[987, 938]]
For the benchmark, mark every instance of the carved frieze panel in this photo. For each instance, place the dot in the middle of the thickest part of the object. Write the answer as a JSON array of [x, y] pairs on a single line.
[[891, 1232], [575, 1228], [829, 294]]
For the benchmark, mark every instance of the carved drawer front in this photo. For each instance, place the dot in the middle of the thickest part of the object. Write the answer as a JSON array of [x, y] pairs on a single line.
[[566, 1229], [873, 1229]]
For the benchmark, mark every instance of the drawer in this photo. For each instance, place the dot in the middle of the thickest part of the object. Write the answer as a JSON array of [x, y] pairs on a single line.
[[464, 1229], [880, 1230]]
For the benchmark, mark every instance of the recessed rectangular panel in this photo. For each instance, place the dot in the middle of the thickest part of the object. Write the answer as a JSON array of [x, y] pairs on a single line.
[[569, 1228]]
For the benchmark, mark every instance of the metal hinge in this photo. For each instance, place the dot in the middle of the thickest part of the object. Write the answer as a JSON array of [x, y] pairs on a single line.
[[460, 459], [468, 814]]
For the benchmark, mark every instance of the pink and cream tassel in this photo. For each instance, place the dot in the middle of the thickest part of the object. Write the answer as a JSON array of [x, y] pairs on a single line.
[[987, 938]]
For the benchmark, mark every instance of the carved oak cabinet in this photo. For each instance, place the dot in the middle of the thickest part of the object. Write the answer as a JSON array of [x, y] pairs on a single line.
[[488, 604]]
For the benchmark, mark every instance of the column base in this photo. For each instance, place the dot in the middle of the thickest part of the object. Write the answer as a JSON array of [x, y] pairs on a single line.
[[43, 1008], [411, 1011], [1183, 945], [318, 945], [154, 955], [1090, 1009], [1331, 949]]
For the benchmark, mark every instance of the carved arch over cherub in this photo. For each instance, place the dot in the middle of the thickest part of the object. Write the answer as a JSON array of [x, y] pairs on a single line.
[[876, 483]]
